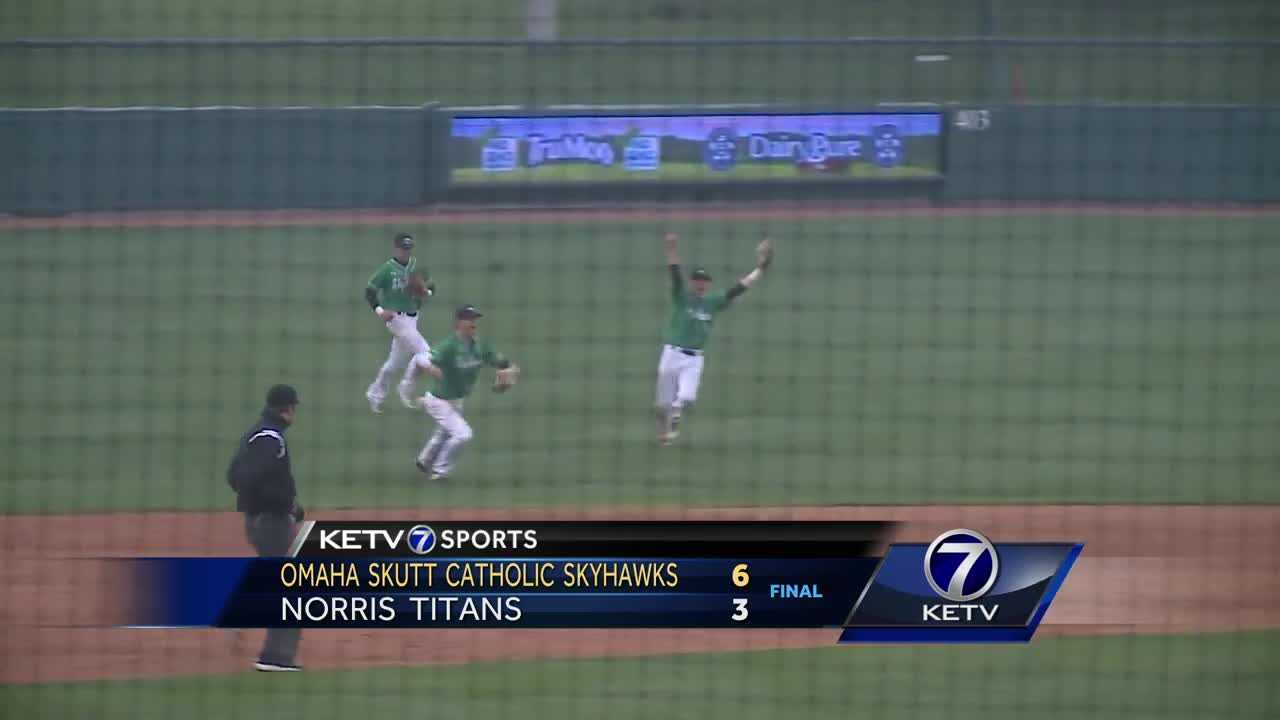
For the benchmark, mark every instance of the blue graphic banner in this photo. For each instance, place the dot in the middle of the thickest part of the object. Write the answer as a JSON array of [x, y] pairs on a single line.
[[696, 147], [960, 588], [497, 592]]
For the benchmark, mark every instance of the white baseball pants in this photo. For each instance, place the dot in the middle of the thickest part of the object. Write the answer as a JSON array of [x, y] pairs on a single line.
[[406, 342], [678, 377], [440, 453]]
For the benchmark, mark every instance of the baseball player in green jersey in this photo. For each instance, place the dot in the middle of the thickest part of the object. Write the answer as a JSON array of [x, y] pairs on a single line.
[[396, 292], [693, 310], [455, 363]]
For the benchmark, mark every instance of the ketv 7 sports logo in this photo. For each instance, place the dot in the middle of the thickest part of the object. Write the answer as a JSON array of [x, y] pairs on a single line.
[[960, 588]]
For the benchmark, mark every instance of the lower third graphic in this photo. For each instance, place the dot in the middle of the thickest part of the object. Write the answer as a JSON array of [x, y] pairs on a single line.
[[960, 588]]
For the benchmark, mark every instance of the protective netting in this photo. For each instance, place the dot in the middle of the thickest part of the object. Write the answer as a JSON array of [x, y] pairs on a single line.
[[1042, 304]]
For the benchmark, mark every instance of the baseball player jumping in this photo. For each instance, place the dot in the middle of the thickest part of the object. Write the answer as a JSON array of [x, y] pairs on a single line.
[[455, 364], [692, 313], [396, 292]]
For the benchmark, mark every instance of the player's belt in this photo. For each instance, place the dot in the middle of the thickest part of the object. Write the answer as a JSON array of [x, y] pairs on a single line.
[[412, 314], [685, 351]]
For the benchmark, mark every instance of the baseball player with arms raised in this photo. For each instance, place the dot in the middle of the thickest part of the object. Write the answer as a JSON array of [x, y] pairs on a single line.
[[693, 311], [395, 293], [455, 364]]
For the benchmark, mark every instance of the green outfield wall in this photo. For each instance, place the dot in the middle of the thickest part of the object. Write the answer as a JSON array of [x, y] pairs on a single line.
[[1114, 154], [68, 160]]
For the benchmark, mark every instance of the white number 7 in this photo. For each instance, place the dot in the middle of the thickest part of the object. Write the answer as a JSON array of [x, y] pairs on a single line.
[[972, 552]]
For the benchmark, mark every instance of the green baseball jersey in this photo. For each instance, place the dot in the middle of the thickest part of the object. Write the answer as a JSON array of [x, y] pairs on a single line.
[[460, 360], [692, 316], [391, 281]]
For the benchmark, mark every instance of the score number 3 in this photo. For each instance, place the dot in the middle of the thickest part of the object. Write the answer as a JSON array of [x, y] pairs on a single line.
[[740, 579]]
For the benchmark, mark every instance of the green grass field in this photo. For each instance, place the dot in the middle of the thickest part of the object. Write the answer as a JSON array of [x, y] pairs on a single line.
[[1034, 358], [1130, 678], [823, 75]]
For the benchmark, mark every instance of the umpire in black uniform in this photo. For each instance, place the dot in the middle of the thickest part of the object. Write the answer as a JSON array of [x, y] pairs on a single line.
[[261, 476]]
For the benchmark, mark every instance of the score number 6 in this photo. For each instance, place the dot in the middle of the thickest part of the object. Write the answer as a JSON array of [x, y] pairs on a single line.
[[740, 578]]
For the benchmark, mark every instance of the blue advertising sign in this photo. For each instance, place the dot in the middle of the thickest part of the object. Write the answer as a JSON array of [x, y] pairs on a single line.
[[696, 147]]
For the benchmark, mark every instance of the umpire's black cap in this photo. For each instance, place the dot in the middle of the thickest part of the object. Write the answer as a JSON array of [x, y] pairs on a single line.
[[468, 312], [280, 396], [403, 241], [700, 273]]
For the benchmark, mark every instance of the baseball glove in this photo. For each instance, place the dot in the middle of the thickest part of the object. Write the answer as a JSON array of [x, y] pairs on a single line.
[[418, 287], [764, 254], [506, 378]]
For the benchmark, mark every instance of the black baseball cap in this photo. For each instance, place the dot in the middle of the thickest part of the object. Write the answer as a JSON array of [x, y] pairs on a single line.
[[404, 241], [700, 273], [467, 312], [281, 396]]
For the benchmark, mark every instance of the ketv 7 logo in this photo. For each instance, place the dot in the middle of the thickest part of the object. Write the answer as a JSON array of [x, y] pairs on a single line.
[[422, 539], [960, 588], [961, 566]]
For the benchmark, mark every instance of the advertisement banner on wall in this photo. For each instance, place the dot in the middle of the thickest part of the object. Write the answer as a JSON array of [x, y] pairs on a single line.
[[749, 147]]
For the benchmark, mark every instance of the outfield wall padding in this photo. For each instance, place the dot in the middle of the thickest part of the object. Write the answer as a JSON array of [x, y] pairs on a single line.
[[156, 159], [1053, 153]]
